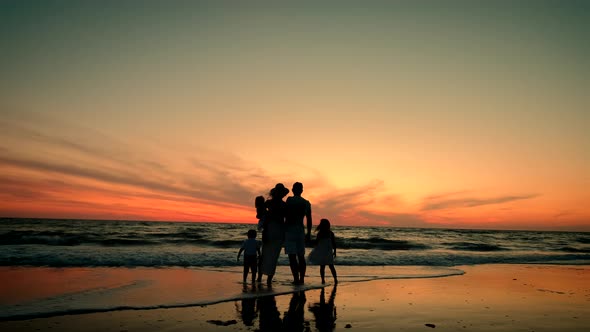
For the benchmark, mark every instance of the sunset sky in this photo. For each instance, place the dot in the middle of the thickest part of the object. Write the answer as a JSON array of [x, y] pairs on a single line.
[[411, 113]]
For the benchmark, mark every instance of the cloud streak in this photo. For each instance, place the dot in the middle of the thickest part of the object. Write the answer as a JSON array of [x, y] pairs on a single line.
[[76, 171], [33, 153], [397, 219], [449, 201]]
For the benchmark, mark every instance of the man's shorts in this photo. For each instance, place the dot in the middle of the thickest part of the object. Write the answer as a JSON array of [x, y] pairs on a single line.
[[294, 240]]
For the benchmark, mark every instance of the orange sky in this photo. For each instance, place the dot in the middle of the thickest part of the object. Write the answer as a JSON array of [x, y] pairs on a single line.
[[455, 116]]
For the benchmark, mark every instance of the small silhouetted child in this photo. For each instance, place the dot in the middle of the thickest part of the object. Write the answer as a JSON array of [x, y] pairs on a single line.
[[325, 251], [261, 212], [251, 249], [260, 205]]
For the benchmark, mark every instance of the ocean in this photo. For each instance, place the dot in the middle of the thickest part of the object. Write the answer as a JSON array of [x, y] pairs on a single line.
[[61, 267], [90, 243]]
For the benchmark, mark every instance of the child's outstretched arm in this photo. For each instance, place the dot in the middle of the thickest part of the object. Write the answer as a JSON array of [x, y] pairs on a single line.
[[239, 253]]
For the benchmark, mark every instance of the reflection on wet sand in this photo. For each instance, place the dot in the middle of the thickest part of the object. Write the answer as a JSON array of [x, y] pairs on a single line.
[[267, 312], [325, 313], [270, 318], [294, 319], [248, 311]]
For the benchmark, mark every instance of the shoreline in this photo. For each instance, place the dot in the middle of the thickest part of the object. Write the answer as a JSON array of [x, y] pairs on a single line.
[[520, 297], [34, 292]]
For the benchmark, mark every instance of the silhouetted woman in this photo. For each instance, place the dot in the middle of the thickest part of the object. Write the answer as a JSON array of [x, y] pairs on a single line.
[[274, 233]]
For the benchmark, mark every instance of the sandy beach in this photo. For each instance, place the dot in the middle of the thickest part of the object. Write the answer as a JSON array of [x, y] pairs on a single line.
[[485, 298]]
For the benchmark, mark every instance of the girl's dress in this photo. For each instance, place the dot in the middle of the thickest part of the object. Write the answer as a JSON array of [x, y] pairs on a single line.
[[323, 253]]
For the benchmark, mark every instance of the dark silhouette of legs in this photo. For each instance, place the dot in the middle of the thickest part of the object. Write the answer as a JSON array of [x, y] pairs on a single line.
[[302, 268], [254, 269], [333, 270], [323, 273], [260, 269], [250, 264], [298, 267], [294, 268]]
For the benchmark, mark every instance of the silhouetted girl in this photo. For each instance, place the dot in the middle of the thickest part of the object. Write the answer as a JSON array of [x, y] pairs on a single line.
[[325, 251]]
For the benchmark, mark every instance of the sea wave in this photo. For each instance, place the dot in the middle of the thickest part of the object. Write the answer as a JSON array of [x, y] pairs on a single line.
[[573, 249], [191, 256], [378, 243], [118, 243], [61, 238], [471, 246]]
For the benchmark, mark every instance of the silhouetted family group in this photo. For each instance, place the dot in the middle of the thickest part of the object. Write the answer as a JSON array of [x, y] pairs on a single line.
[[282, 225]]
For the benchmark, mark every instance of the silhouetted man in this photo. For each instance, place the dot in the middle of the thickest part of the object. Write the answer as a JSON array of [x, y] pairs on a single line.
[[295, 236]]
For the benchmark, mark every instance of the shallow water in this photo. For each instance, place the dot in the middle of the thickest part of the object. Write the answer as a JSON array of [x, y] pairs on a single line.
[[29, 292]]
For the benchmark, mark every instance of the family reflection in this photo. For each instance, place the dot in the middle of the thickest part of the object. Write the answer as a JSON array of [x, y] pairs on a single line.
[[270, 318], [265, 308], [248, 311], [325, 313], [294, 319]]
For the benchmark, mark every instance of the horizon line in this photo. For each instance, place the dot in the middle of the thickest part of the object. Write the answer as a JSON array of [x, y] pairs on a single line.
[[244, 223]]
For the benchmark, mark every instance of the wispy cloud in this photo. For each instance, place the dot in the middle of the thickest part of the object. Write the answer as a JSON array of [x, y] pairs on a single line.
[[396, 219], [562, 214], [59, 168], [207, 176], [338, 201], [358, 205], [458, 200], [38, 151]]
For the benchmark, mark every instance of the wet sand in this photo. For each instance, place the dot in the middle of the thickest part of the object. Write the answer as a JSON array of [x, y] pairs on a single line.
[[486, 298]]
